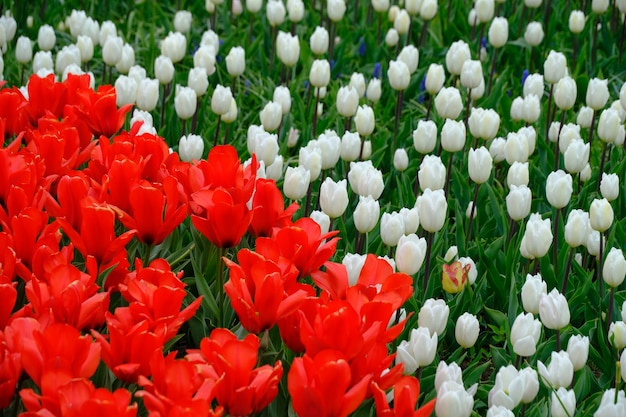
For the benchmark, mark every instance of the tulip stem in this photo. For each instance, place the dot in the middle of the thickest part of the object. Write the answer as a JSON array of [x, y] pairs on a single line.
[[555, 251], [331, 43], [558, 340], [308, 201], [471, 217], [250, 27], [380, 23], [194, 119], [558, 138], [22, 75], [594, 42], [447, 185], [184, 129], [217, 131], [575, 50], [428, 109], [469, 103], [609, 318], [511, 230], [166, 92], [549, 110], [356, 11], [146, 255], [429, 244], [602, 158], [599, 271], [395, 123], [317, 100], [220, 287], [568, 267], [621, 40], [423, 33], [521, 414], [493, 69]]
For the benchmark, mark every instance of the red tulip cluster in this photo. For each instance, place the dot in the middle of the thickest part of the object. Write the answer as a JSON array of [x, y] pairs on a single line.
[[75, 192]]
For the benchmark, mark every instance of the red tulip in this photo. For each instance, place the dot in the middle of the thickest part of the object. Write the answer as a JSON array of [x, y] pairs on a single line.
[[10, 371], [269, 206], [241, 388], [99, 110], [405, 395], [219, 218], [258, 291], [70, 191], [12, 106], [45, 96], [302, 243], [177, 389], [322, 386]]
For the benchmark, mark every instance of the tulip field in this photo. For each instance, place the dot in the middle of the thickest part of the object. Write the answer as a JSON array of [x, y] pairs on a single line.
[[322, 208]]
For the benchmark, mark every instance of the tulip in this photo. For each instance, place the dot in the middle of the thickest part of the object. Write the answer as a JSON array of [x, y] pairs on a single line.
[[563, 403], [391, 228], [296, 182], [334, 197], [499, 411], [613, 403], [23, 53], [565, 93], [508, 389], [271, 116], [365, 179], [532, 290], [366, 214], [126, 90], [518, 202], [617, 335], [533, 35], [287, 49], [282, 96], [447, 373], [254, 6], [531, 384], [609, 186], [448, 103], [432, 173], [147, 94], [190, 148], [576, 156], [322, 220], [182, 21], [517, 174], [354, 264], [275, 10], [425, 136], [456, 56], [330, 146], [220, 101], [198, 81], [185, 102], [350, 147], [577, 228], [347, 101], [453, 401], [614, 269], [471, 74], [434, 316], [578, 351], [400, 159], [374, 92], [479, 165], [399, 75], [67, 56], [554, 311], [432, 210], [454, 277], [364, 120], [418, 351], [236, 61], [174, 46], [411, 220], [600, 215], [205, 58], [319, 41], [466, 330], [525, 334], [410, 254], [46, 38], [453, 135]]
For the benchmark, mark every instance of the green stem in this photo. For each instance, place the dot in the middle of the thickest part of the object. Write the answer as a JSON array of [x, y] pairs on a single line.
[[221, 301], [146, 255]]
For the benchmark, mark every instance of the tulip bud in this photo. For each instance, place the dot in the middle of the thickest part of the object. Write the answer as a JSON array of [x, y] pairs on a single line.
[[365, 179], [275, 170], [174, 46], [454, 277], [46, 38], [287, 48], [553, 310], [432, 210], [525, 334], [320, 73], [147, 94], [164, 69], [205, 58], [185, 102], [295, 10], [400, 159], [350, 146], [577, 228], [599, 6], [354, 264], [471, 74], [425, 136], [347, 101], [364, 120], [392, 37], [578, 351], [563, 403], [410, 56], [453, 135], [609, 125], [418, 351], [614, 269], [182, 21], [600, 215], [518, 202], [366, 214], [516, 148], [220, 100], [125, 90], [559, 188], [517, 174], [597, 93], [401, 22], [428, 9], [565, 93], [453, 400], [410, 254], [319, 41], [455, 58], [499, 32], [432, 173], [533, 35], [374, 92], [236, 61], [399, 75], [569, 132], [85, 46], [466, 330], [391, 228], [271, 116], [576, 21], [275, 10], [282, 96], [322, 220], [334, 197], [479, 165], [435, 78], [254, 6], [23, 50], [576, 156], [537, 237], [296, 182], [554, 67], [534, 85], [434, 316], [617, 335], [232, 113], [448, 103], [190, 148], [609, 186], [496, 149], [532, 290], [411, 220], [198, 81]]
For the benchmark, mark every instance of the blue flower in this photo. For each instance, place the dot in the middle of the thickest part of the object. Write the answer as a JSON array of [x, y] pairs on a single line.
[[377, 70], [524, 76], [361, 47], [483, 42]]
